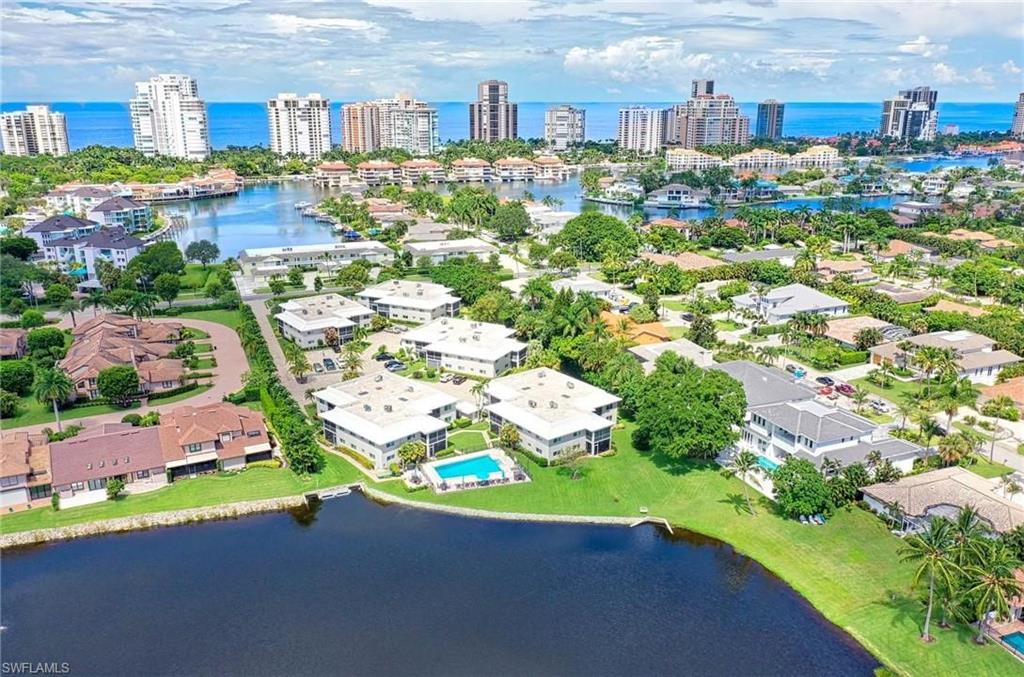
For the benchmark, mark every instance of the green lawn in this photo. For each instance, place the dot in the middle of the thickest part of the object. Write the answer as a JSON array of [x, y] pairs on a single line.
[[229, 318], [252, 484], [848, 569], [182, 396], [678, 332], [204, 348], [727, 325], [894, 393], [988, 470], [31, 412], [195, 276], [467, 440], [197, 334], [204, 363], [677, 305]]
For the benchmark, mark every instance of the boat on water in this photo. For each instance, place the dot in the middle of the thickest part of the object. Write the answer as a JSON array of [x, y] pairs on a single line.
[[303, 205]]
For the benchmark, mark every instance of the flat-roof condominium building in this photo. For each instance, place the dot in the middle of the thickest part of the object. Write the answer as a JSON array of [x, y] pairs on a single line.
[[491, 116], [441, 250], [552, 412], [769, 119], [360, 127], [711, 119], [478, 348], [376, 414], [640, 129], [34, 131], [564, 126], [327, 319], [169, 118], [299, 125], [410, 301], [1017, 124], [911, 116], [329, 256]]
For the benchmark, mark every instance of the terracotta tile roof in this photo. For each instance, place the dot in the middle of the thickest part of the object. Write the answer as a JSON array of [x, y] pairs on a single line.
[[471, 162], [421, 164], [23, 453], [549, 160], [334, 167], [641, 334], [1013, 388], [159, 371], [685, 260], [11, 340], [94, 456], [897, 247], [196, 425], [845, 329]]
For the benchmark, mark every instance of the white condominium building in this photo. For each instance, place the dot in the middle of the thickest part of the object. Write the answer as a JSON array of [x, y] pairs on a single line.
[[410, 301], [564, 126], [327, 319], [299, 125], [640, 129], [911, 116], [478, 348], [472, 170], [329, 256], [169, 118], [376, 414], [34, 131], [682, 159], [514, 169], [400, 122], [442, 250], [552, 412], [491, 116]]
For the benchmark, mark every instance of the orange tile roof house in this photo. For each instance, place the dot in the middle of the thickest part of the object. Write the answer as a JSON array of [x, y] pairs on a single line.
[[685, 260], [637, 334], [197, 439], [1012, 388], [859, 271], [12, 343], [900, 247], [24, 469]]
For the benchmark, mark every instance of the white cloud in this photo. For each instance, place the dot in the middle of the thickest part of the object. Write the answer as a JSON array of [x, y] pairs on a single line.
[[1012, 68], [289, 24], [922, 46], [946, 75], [641, 59], [52, 17]]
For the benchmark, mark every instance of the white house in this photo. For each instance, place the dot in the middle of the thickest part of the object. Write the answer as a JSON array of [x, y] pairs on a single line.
[[307, 321], [123, 212], [410, 301], [478, 348], [328, 256], [376, 414], [79, 255], [977, 357], [514, 169], [649, 353], [440, 251], [552, 412], [781, 304], [59, 227]]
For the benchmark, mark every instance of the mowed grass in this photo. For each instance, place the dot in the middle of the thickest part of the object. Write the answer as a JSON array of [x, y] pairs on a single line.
[[894, 393], [467, 441], [31, 412], [229, 318], [252, 484], [849, 568]]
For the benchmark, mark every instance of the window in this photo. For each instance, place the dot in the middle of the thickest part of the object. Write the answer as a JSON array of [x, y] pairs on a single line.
[[253, 433], [141, 474], [9, 481], [77, 486], [97, 484], [193, 448]]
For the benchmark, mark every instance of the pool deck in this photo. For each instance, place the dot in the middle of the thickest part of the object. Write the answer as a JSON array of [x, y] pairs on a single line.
[[509, 473], [1000, 630]]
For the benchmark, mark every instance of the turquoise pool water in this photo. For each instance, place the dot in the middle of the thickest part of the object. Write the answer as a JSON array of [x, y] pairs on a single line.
[[767, 463], [1016, 640], [480, 467]]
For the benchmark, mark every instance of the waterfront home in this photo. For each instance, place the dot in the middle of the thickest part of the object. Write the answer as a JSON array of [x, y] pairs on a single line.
[[514, 169], [550, 168], [332, 175], [315, 321], [24, 468], [415, 172], [329, 256], [219, 436], [647, 354], [217, 182], [684, 260], [80, 198], [677, 196], [844, 330], [79, 256], [943, 493], [682, 227], [553, 412], [427, 231], [546, 221], [410, 301], [376, 414], [683, 159], [977, 357], [123, 212], [858, 271], [59, 227], [782, 303], [471, 170], [785, 256], [12, 343], [377, 172], [469, 347], [916, 209], [442, 250]]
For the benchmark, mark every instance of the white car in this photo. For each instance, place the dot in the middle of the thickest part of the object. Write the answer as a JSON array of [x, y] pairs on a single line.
[[446, 377]]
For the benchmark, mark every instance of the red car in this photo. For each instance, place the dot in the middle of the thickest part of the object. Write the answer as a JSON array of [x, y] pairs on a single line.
[[825, 391], [846, 389]]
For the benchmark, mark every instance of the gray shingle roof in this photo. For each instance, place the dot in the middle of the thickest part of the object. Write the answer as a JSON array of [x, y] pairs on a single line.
[[118, 204], [59, 222], [765, 385], [815, 421]]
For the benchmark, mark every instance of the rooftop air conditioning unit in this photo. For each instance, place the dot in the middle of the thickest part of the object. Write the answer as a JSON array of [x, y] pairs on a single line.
[[553, 404], [366, 407], [533, 403], [387, 407], [570, 385]]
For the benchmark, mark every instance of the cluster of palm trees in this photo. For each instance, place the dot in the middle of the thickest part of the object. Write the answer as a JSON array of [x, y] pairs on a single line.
[[135, 303], [968, 573]]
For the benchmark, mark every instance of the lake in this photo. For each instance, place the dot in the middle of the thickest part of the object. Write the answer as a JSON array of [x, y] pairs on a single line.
[[359, 588]]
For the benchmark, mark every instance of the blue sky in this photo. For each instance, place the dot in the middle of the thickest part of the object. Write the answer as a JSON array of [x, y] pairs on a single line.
[[571, 50]]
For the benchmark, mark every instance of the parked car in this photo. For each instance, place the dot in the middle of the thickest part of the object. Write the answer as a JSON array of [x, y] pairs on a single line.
[[394, 366], [846, 389], [826, 380], [391, 363], [825, 391], [791, 368], [393, 329], [458, 379], [687, 316], [329, 364], [879, 406], [318, 368], [384, 357], [446, 377]]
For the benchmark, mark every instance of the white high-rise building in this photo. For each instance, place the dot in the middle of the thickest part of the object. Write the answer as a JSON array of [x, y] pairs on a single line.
[[34, 131], [169, 118], [401, 122], [492, 117], [564, 126], [1017, 127], [299, 124], [640, 129], [911, 116]]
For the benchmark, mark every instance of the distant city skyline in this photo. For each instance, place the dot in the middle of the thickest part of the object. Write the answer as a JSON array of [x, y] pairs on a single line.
[[547, 50]]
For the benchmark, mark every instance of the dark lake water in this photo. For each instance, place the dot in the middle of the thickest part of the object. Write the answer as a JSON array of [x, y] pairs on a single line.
[[364, 589]]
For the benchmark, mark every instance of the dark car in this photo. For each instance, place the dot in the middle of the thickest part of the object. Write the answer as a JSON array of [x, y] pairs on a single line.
[[391, 363], [459, 379], [687, 316], [329, 364], [384, 357], [846, 389], [791, 368], [825, 381]]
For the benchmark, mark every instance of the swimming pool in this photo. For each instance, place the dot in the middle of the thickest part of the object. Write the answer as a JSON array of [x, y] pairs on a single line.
[[481, 467], [1015, 640], [767, 463]]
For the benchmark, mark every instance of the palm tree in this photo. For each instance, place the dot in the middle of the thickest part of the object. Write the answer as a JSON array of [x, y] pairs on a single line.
[[993, 583], [69, 307], [351, 360], [477, 390], [953, 448], [743, 465], [298, 364], [54, 386], [860, 396], [928, 428], [931, 551], [905, 410], [968, 534], [959, 393], [141, 303], [96, 298]]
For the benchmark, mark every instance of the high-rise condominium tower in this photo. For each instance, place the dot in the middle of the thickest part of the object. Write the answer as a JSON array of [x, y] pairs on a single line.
[[169, 118], [710, 119], [491, 116], [34, 131], [1017, 128], [701, 87], [564, 126], [911, 116], [360, 127], [640, 129], [769, 119], [401, 122], [299, 124]]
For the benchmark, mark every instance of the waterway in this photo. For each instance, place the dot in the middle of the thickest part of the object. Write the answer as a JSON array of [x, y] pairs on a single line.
[[358, 588]]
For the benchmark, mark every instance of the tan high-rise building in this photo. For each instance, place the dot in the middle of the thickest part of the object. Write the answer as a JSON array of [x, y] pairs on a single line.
[[299, 125], [360, 127], [711, 119], [491, 116], [1017, 128], [34, 131]]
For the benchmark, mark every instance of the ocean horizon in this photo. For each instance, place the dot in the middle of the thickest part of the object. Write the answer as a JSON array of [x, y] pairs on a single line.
[[245, 123]]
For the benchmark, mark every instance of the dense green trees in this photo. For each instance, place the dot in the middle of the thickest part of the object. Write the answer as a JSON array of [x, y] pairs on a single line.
[[510, 222], [203, 251], [16, 376], [167, 286], [800, 489], [19, 247], [119, 384], [154, 260], [593, 235], [469, 277]]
